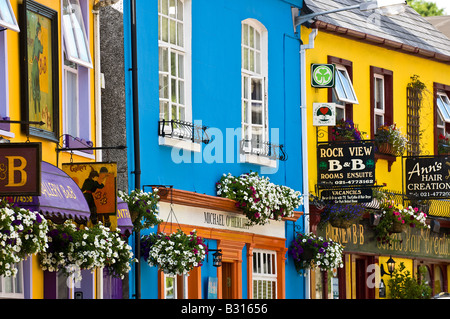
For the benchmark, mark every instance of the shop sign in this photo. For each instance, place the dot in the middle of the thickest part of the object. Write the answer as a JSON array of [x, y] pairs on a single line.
[[323, 75], [347, 195], [97, 181], [413, 242], [427, 177], [20, 169], [324, 114], [346, 164]]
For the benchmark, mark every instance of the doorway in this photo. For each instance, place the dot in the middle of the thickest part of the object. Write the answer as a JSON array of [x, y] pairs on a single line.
[[227, 280]]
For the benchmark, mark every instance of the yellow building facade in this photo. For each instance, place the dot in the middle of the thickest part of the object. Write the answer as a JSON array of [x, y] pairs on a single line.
[[50, 95], [366, 56]]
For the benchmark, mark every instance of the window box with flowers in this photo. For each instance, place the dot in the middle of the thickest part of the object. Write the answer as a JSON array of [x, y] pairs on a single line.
[[395, 219], [346, 130], [310, 251], [259, 199], [443, 145], [176, 253]]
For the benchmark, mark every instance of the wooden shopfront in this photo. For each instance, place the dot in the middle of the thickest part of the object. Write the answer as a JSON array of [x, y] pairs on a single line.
[[253, 258], [364, 255]]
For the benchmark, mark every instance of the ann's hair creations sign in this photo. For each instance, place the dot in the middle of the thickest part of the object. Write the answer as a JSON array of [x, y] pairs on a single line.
[[427, 177]]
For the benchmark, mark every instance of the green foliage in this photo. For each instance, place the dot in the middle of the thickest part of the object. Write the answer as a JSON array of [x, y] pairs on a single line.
[[404, 286], [425, 8]]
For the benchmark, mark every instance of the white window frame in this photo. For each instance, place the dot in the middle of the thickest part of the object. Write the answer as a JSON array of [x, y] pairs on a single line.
[[70, 37], [257, 72], [19, 278], [185, 52], [379, 111], [264, 274], [343, 81], [175, 292], [443, 103], [12, 25]]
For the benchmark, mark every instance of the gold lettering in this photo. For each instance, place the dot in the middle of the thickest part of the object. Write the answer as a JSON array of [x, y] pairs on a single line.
[[361, 234], [12, 169]]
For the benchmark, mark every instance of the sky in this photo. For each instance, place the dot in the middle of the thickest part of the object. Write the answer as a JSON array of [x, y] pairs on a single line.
[[443, 4]]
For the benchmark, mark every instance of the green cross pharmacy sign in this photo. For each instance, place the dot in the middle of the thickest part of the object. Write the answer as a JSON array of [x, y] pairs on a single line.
[[323, 75]]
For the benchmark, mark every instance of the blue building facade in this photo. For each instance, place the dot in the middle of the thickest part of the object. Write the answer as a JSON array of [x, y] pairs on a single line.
[[217, 91]]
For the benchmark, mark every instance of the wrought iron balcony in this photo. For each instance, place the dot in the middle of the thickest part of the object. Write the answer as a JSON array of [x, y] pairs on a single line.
[[183, 130], [265, 149]]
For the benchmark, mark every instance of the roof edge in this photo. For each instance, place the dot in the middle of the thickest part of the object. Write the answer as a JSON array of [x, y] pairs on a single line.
[[372, 39]]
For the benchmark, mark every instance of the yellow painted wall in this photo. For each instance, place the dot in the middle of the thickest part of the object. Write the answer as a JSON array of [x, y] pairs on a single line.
[[49, 153], [13, 42], [363, 56]]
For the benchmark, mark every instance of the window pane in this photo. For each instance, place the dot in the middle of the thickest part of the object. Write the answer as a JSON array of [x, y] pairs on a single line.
[[77, 46], [444, 111], [163, 59], [379, 94], [165, 29], [71, 110], [257, 113], [180, 9], [257, 90], [173, 32], [163, 86], [5, 14], [7, 17], [180, 40], [379, 121]]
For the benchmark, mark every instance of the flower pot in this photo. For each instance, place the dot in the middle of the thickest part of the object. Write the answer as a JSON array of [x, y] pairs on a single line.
[[397, 227], [386, 148]]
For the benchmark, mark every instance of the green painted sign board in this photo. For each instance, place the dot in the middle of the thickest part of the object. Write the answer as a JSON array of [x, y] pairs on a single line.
[[360, 238], [323, 75]]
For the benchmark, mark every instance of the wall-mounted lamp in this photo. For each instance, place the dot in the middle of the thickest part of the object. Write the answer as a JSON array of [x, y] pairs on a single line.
[[390, 267], [217, 257]]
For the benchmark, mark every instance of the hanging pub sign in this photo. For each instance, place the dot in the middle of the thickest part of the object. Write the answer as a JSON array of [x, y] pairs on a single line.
[[20, 169], [324, 114], [346, 164], [97, 181], [323, 75], [427, 177]]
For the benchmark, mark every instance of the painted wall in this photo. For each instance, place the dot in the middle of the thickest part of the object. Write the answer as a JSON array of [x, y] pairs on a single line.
[[14, 103], [404, 66], [216, 100], [363, 56]]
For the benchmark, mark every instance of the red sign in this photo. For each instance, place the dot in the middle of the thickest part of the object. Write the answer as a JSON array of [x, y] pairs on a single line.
[[20, 169]]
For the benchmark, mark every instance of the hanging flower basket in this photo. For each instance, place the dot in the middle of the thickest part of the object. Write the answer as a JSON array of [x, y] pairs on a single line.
[[390, 140], [396, 219], [72, 249], [386, 148], [143, 207], [259, 199], [309, 251], [341, 215], [22, 233], [346, 130], [176, 253], [397, 227]]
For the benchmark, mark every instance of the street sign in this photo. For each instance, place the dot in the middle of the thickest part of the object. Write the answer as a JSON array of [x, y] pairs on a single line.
[[323, 75]]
